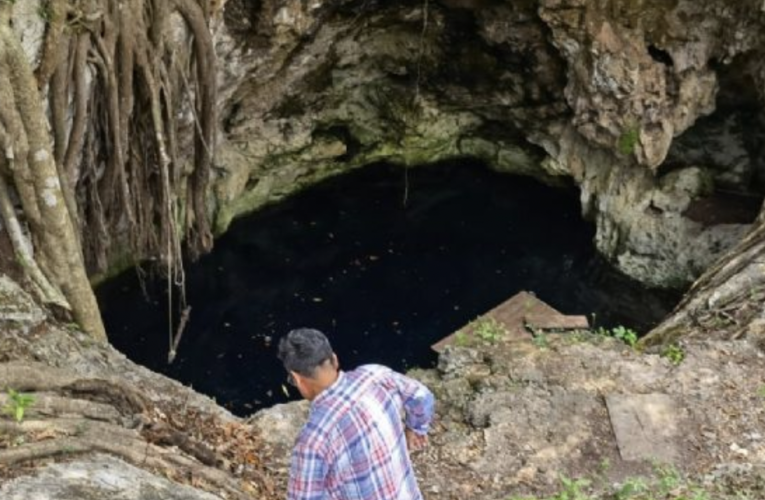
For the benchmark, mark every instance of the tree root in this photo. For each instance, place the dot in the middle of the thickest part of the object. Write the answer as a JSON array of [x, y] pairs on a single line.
[[724, 300], [77, 416], [52, 405], [23, 376], [91, 438]]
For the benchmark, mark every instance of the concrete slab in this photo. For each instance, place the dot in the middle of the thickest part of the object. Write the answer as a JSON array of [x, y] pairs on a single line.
[[557, 322], [645, 426], [515, 314]]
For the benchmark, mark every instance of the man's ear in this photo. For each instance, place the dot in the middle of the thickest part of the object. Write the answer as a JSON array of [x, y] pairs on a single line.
[[297, 379], [335, 362]]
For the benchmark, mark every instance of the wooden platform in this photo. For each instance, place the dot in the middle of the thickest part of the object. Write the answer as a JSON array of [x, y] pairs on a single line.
[[521, 314]]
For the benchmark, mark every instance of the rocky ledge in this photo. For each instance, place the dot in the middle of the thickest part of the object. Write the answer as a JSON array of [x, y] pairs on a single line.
[[514, 418]]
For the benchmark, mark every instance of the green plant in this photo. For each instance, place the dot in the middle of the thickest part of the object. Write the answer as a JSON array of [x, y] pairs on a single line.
[[628, 140], [540, 340], [631, 488], [577, 336], [674, 353], [44, 11], [665, 483], [573, 489], [761, 391], [669, 478], [626, 335], [461, 339], [17, 404], [488, 329]]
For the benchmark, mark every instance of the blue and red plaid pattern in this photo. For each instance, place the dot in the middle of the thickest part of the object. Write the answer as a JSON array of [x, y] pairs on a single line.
[[353, 446]]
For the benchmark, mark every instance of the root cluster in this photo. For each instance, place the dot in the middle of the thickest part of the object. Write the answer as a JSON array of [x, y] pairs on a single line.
[[74, 416], [107, 170]]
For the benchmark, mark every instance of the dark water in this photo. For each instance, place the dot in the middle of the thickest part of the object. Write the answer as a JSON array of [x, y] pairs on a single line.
[[383, 280]]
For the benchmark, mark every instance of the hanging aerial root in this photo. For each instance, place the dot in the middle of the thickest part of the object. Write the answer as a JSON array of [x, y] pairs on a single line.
[[198, 224], [55, 11]]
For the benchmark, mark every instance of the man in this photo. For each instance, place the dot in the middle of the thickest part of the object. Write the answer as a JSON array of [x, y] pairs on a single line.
[[354, 445]]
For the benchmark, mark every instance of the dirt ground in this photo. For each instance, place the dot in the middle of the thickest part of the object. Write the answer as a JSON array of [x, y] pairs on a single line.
[[515, 417]]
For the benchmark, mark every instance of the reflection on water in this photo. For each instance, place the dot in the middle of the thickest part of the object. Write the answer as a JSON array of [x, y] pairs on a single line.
[[383, 280]]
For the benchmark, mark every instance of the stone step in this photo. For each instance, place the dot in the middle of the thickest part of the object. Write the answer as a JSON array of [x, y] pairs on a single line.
[[645, 426]]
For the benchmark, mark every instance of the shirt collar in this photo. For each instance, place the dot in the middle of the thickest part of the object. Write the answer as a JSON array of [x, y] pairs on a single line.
[[332, 388]]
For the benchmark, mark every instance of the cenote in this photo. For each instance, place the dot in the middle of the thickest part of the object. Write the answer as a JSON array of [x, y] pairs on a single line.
[[386, 262]]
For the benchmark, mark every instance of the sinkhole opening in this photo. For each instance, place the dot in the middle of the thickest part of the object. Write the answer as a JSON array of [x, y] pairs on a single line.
[[386, 261]]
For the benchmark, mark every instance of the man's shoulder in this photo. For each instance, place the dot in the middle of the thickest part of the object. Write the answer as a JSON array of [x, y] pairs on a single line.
[[314, 435], [371, 370]]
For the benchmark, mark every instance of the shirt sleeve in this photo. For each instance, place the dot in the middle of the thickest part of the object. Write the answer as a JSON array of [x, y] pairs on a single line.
[[418, 402], [308, 474]]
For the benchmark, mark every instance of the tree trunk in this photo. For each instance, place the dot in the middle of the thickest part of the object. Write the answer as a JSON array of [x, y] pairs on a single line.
[[60, 254]]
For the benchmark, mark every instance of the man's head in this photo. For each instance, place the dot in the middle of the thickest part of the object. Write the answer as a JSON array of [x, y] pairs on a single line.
[[308, 357]]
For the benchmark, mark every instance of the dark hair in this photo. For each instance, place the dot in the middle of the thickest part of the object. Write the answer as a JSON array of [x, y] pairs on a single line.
[[303, 350]]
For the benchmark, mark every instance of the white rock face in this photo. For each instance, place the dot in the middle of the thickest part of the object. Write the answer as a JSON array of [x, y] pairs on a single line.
[[17, 308], [97, 478]]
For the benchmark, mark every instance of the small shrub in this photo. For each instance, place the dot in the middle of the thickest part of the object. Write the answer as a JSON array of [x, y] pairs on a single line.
[[666, 483], [631, 488], [674, 353], [540, 340], [573, 489], [626, 335], [488, 329], [18, 404], [461, 339], [669, 478]]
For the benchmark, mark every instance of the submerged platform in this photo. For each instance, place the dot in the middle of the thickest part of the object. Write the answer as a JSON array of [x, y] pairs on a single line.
[[520, 315]]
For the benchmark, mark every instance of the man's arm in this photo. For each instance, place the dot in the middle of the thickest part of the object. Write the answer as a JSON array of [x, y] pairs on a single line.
[[418, 402], [308, 473]]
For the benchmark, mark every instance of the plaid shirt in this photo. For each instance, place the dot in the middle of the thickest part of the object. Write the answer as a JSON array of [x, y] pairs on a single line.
[[353, 446]]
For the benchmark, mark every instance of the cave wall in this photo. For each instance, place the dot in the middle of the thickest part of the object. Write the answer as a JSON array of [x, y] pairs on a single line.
[[340, 85], [653, 108], [610, 94]]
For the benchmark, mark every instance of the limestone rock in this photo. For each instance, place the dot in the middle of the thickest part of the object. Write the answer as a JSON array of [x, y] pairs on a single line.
[[281, 423], [614, 98], [17, 307], [97, 478]]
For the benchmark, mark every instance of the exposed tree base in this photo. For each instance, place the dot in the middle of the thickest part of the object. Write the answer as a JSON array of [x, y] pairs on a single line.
[[727, 302]]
